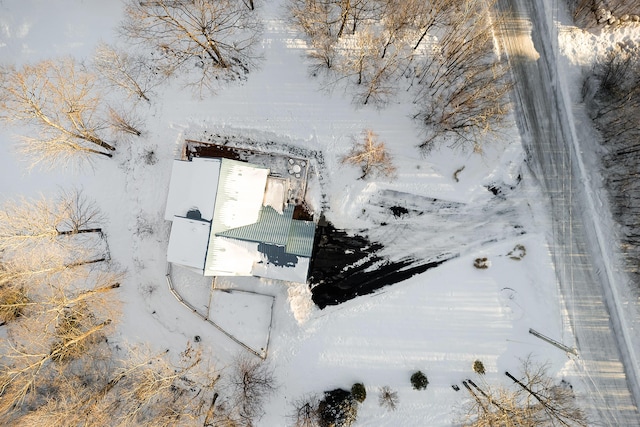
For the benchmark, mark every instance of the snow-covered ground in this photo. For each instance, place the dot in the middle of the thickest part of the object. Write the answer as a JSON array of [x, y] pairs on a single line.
[[439, 321]]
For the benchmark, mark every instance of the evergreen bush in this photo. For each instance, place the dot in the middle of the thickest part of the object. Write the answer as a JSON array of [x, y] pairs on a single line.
[[419, 381], [359, 392]]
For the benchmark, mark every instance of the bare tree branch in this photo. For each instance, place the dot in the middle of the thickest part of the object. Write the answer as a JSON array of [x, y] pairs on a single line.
[[203, 40], [62, 103]]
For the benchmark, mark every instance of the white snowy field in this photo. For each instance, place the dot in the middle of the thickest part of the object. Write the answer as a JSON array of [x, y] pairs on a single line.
[[438, 322]]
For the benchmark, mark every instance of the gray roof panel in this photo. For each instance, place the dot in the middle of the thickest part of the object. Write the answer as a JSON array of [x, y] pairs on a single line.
[[272, 227], [301, 236]]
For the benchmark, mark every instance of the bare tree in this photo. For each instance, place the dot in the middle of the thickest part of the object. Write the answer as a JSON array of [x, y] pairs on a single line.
[[153, 390], [130, 72], [61, 101], [46, 263], [251, 382], [305, 411], [25, 223], [533, 399], [42, 248], [332, 18], [388, 398], [347, 45], [371, 155], [462, 88], [372, 69], [59, 307], [124, 122], [30, 366], [203, 40]]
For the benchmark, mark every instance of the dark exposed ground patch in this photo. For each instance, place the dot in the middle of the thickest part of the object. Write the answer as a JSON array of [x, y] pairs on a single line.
[[399, 211], [195, 149], [346, 266]]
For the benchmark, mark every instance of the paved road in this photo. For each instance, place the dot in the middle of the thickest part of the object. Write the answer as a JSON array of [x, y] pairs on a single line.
[[529, 36]]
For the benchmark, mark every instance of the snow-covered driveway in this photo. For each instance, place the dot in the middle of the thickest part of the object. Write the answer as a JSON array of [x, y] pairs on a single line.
[[545, 123]]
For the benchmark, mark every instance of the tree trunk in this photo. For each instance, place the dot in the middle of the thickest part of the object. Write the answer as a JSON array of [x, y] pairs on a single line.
[[345, 16], [84, 230], [208, 421]]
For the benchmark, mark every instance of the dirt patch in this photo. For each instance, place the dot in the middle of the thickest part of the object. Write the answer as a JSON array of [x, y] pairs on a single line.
[[399, 211], [201, 149]]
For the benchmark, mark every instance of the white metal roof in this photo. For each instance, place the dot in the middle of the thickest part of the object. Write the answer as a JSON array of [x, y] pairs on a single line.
[[193, 186], [296, 273], [238, 202], [232, 257], [188, 242]]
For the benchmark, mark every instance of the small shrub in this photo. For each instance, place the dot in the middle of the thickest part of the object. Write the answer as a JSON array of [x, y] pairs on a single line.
[[371, 155], [150, 157], [12, 303], [388, 398], [359, 392], [518, 252], [478, 367], [337, 409], [481, 263], [305, 412], [419, 381]]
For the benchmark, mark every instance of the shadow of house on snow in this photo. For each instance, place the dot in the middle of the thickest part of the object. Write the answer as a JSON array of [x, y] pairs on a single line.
[[345, 266]]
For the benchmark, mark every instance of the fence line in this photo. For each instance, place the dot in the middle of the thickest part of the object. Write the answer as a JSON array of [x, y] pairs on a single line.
[[175, 293], [553, 342]]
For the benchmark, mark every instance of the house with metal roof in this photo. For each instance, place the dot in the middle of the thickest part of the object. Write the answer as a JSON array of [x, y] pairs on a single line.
[[232, 218]]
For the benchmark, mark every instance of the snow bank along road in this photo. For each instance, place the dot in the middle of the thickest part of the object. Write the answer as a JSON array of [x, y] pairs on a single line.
[[608, 359]]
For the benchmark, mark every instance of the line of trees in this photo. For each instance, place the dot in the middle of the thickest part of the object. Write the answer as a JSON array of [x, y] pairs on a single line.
[[612, 95], [57, 295], [59, 307], [441, 52]]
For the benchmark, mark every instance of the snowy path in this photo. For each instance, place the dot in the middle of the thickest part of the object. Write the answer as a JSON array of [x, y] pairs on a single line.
[[545, 122]]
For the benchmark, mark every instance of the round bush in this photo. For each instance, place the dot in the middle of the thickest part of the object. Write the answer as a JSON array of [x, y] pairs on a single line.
[[478, 367], [338, 408], [481, 263], [419, 381], [358, 392]]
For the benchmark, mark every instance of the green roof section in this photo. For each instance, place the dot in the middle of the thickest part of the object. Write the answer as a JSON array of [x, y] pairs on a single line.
[[301, 236], [278, 229], [272, 228]]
